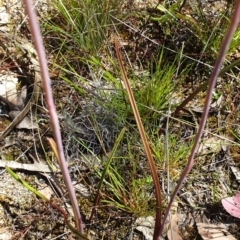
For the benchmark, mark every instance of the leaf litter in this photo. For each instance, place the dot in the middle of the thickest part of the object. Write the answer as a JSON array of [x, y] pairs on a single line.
[[212, 231]]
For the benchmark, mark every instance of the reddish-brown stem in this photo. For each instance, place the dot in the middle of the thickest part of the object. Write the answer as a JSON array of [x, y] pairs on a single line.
[[145, 144], [35, 30]]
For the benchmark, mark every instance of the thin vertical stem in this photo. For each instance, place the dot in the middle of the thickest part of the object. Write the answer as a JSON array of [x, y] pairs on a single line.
[[35, 30]]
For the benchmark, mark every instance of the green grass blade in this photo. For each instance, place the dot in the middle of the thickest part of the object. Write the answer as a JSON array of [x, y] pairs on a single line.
[[25, 184], [37, 193], [106, 169]]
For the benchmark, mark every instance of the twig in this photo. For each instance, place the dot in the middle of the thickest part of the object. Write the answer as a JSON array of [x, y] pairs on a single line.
[[35, 167]]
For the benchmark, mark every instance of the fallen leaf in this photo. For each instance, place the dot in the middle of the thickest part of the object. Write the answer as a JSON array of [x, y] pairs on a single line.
[[26, 123], [217, 103], [212, 231], [173, 232], [211, 145], [4, 19], [35, 167], [236, 172], [46, 191], [145, 225], [8, 87], [9, 90], [80, 188], [232, 205]]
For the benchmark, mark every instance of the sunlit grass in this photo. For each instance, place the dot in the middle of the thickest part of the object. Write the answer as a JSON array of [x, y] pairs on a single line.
[[77, 35]]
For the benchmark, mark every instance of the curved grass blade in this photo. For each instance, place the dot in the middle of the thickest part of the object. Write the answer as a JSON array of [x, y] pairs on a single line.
[[25, 184], [97, 198], [40, 195]]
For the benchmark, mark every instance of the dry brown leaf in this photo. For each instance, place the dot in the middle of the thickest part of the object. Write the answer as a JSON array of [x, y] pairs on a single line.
[[236, 172], [8, 87], [145, 225], [9, 90], [80, 188], [212, 231], [46, 191], [35, 167], [173, 232], [211, 145], [4, 19], [26, 123]]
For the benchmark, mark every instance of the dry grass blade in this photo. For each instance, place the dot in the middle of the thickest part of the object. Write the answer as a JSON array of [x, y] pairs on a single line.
[[53, 147], [145, 142]]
